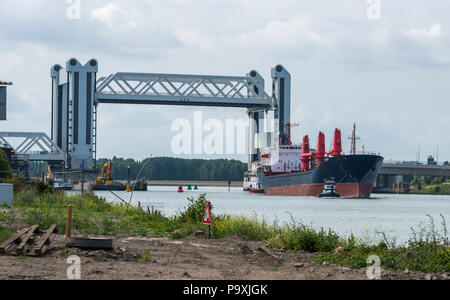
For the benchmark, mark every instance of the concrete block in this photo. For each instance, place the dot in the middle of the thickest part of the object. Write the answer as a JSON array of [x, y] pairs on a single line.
[[6, 194]]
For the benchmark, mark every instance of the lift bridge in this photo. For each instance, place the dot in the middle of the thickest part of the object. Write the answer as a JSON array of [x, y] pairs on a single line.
[[77, 92]]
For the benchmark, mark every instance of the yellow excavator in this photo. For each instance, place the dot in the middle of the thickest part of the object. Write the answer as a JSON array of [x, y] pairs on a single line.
[[106, 183], [106, 177], [49, 173]]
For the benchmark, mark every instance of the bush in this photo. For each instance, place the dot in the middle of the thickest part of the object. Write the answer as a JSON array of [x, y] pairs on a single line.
[[436, 180], [302, 237], [17, 180], [25, 198], [436, 189], [226, 226], [4, 164], [43, 188], [4, 235], [195, 212]]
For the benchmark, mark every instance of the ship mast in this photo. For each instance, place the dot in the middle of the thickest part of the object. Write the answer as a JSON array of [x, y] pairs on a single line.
[[286, 139], [354, 138]]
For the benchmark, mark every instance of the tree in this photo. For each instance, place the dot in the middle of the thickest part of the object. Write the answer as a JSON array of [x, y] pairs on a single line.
[[166, 168], [436, 180], [4, 164]]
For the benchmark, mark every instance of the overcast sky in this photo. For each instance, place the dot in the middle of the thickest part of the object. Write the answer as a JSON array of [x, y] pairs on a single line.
[[390, 76]]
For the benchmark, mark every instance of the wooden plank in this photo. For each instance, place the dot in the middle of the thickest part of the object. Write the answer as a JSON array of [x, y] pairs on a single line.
[[15, 237], [47, 246], [90, 244], [45, 236], [29, 245], [27, 238]]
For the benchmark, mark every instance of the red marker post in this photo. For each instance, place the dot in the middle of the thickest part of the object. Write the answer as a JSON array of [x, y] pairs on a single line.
[[207, 220]]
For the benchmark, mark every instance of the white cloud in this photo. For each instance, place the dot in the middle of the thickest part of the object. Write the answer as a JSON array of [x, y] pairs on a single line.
[[191, 38], [433, 32], [108, 14], [284, 33]]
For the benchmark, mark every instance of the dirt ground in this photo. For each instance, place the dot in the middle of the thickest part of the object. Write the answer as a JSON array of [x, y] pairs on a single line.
[[195, 258]]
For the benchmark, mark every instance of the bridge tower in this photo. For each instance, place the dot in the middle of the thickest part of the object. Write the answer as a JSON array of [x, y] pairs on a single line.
[[81, 113], [282, 92], [74, 112], [256, 119], [59, 107]]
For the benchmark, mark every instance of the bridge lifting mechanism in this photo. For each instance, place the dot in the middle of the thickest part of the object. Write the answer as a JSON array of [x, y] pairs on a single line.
[[76, 93]]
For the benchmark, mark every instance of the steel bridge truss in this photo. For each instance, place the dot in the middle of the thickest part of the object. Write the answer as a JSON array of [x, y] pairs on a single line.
[[195, 90], [34, 146]]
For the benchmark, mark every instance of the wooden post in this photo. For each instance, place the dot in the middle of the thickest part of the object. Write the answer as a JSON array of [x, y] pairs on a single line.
[[82, 181], [69, 222]]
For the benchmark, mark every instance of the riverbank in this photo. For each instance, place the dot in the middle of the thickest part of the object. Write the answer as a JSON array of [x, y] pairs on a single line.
[[194, 183], [426, 253], [434, 189]]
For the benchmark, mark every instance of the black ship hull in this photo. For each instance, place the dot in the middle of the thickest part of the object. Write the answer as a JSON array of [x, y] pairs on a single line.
[[355, 176]]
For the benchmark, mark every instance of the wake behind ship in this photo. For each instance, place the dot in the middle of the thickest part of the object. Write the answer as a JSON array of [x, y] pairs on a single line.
[[300, 171]]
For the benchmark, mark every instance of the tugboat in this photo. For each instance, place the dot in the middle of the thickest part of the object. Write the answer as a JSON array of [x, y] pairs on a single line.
[[256, 190], [62, 185], [329, 190]]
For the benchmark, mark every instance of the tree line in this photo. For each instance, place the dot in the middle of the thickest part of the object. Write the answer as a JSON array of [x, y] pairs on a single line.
[[166, 168]]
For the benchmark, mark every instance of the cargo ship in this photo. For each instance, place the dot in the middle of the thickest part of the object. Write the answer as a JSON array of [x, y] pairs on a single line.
[[291, 170]]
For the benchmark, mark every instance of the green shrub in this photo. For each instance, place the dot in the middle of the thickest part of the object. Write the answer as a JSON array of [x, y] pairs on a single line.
[[195, 212], [301, 237], [4, 164], [17, 180], [4, 235], [224, 226], [42, 187]]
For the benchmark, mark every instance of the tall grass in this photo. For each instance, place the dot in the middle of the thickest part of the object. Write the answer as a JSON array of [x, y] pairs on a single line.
[[91, 214], [4, 234], [426, 250]]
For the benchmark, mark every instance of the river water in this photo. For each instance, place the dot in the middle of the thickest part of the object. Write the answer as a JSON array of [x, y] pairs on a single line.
[[388, 213]]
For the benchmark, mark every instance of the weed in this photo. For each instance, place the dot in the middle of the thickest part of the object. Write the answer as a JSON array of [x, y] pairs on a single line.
[[146, 257]]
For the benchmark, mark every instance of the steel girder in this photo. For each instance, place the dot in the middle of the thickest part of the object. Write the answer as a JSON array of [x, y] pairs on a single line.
[[193, 90], [29, 142]]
